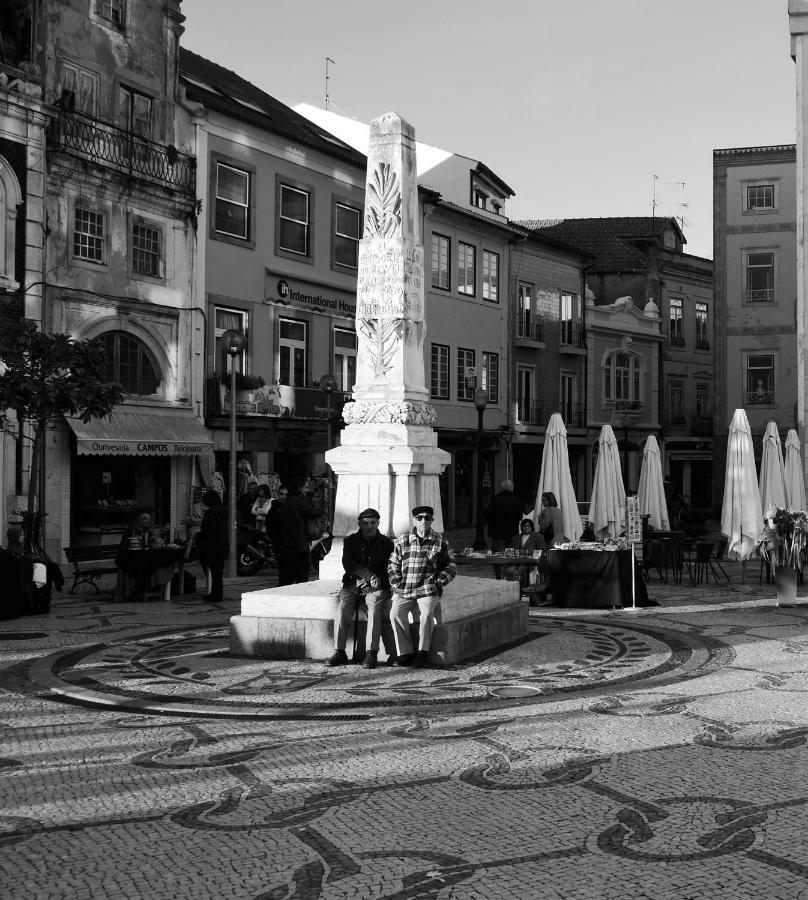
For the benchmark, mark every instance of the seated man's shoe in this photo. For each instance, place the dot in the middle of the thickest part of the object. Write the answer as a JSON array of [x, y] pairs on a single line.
[[370, 660], [405, 659], [391, 659], [421, 659], [338, 658]]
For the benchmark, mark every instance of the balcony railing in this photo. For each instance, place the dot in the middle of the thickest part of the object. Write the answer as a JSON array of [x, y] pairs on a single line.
[[760, 397], [702, 344], [627, 405], [529, 413], [760, 295], [677, 340], [573, 334], [702, 426], [574, 415], [530, 327], [89, 138]]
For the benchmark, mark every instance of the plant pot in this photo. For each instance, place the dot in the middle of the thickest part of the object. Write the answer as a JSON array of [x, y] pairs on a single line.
[[786, 580]]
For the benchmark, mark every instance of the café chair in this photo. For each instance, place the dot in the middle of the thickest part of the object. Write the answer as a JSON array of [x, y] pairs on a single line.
[[703, 563]]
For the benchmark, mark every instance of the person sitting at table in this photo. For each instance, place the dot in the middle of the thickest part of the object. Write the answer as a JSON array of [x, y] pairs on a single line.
[[526, 543], [551, 522]]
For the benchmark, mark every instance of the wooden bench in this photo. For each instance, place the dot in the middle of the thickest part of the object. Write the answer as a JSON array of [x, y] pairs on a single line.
[[90, 563]]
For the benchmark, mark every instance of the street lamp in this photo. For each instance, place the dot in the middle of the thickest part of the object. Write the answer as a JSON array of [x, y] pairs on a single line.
[[480, 401], [234, 343], [328, 384]]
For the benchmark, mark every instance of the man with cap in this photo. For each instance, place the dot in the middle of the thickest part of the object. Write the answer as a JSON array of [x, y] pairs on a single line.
[[420, 567], [365, 554]]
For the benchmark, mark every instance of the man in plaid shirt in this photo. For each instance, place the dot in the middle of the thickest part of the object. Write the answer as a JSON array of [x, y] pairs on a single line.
[[420, 567]]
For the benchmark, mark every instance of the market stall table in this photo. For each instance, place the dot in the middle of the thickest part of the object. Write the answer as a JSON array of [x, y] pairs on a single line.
[[595, 579], [147, 571]]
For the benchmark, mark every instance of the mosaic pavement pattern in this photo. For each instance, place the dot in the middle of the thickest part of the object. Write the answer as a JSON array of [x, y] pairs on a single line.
[[654, 754]]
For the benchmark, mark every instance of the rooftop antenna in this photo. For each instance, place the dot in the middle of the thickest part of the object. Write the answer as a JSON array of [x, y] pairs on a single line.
[[327, 61]]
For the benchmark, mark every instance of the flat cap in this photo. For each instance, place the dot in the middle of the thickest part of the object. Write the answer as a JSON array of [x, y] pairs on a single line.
[[427, 510], [369, 514]]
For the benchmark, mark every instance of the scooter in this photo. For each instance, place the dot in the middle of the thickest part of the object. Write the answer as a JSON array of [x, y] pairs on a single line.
[[253, 550]]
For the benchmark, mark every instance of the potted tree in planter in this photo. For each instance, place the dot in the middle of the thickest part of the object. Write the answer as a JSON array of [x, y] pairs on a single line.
[[785, 538]]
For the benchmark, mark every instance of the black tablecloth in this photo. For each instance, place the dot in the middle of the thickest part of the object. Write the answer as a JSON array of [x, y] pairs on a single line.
[[594, 579], [140, 565]]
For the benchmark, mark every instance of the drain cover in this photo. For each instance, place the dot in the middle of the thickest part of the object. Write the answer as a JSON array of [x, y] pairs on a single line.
[[513, 691]]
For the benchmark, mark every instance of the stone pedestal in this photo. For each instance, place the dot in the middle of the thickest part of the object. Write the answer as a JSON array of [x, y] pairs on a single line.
[[297, 622]]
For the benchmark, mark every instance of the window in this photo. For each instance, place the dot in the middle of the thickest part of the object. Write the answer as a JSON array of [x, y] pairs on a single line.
[[146, 249], [527, 412], [439, 381], [703, 410], [135, 112], [622, 377], [466, 374], [347, 231], [571, 332], [760, 196], [88, 235], [479, 199], [294, 221], [292, 352], [760, 378], [440, 262], [677, 334], [760, 276], [669, 239], [130, 364], [676, 403], [232, 216], [568, 398], [466, 265], [111, 10], [490, 376], [702, 327], [225, 319], [10, 198], [83, 85], [490, 276], [345, 358], [529, 325]]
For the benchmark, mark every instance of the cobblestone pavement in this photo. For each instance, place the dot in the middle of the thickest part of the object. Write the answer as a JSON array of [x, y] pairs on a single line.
[[649, 753]]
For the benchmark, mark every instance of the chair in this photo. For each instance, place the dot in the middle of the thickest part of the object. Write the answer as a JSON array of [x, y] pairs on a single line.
[[654, 556], [703, 565]]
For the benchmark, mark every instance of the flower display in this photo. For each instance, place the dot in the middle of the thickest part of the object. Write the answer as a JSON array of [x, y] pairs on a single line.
[[785, 538]]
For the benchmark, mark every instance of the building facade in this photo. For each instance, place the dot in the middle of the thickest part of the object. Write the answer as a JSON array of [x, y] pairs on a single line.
[[119, 227], [755, 240]]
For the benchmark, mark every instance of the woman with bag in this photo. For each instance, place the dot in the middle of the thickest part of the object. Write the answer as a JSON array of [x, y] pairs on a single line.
[[297, 525]]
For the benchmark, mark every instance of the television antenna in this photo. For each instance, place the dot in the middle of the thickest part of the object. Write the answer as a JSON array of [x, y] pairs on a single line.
[[327, 61]]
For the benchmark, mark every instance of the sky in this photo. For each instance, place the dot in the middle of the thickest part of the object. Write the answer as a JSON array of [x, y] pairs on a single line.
[[575, 104]]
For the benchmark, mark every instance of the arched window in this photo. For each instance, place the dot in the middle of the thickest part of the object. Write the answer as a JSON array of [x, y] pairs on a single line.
[[10, 198], [622, 376], [131, 364]]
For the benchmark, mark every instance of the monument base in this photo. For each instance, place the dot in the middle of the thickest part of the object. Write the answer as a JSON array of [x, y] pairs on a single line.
[[297, 622]]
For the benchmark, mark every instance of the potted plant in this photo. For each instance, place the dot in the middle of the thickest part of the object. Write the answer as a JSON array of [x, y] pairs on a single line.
[[785, 538], [244, 382]]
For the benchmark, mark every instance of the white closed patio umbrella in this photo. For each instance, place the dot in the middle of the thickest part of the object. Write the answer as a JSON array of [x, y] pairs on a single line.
[[772, 481], [741, 511], [795, 481], [607, 508], [651, 492], [555, 476]]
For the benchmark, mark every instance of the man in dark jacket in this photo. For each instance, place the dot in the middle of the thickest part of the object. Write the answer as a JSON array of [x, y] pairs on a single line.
[[503, 515], [289, 535], [214, 545], [365, 555]]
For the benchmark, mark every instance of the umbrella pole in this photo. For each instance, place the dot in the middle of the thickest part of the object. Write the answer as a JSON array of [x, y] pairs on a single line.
[[633, 590]]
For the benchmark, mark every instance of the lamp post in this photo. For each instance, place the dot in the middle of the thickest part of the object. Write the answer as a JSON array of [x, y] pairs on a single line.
[[480, 401], [328, 384], [234, 343]]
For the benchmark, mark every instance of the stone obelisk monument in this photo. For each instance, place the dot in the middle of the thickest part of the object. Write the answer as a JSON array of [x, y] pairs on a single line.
[[389, 457]]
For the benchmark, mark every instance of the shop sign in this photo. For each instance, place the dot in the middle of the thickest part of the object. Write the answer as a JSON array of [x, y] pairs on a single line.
[[283, 401], [311, 297], [139, 448]]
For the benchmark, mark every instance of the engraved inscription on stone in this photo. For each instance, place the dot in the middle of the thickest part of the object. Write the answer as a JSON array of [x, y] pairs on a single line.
[[390, 281]]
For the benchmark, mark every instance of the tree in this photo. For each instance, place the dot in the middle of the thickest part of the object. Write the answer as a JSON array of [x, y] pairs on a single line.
[[47, 376]]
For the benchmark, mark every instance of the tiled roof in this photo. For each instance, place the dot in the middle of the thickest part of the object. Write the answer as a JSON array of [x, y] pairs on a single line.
[[612, 242], [220, 89]]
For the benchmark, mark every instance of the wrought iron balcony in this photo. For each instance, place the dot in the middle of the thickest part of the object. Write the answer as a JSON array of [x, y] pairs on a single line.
[[573, 335], [529, 413], [107, 145], [677, 340], [529, 327], [702, 344], [760, 295], [574, 415], [760, 397], [628, 405]]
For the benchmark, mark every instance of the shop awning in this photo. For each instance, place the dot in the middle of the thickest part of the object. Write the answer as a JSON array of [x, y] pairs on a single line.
[[169, 432]]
